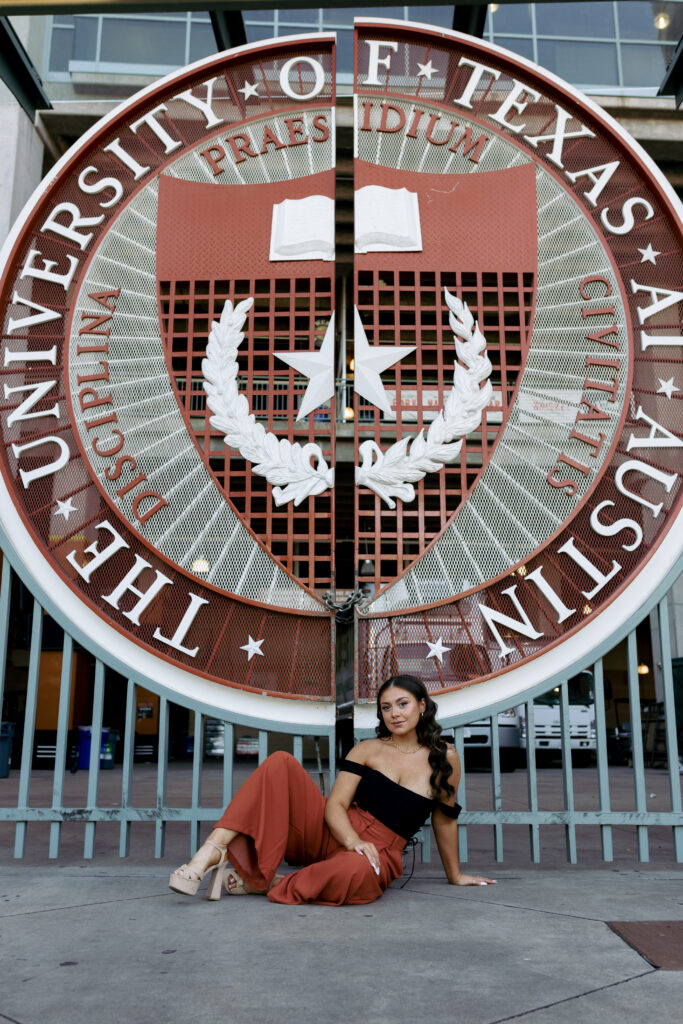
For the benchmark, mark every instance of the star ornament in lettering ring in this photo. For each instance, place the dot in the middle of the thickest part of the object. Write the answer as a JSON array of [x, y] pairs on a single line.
[[426, 70], [65, 508], [249, 90], [253, 647], [437, 650]]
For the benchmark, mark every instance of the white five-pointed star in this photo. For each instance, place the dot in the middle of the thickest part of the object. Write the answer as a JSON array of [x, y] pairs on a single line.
[[65, 508], [667, 387], [249, 90], [437, 650], [649, 255], [426, 70], [319, 368], [370, 361], [253, 647]]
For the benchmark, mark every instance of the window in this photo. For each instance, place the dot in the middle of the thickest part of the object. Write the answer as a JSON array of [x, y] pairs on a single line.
[[599, 47], [146, 44]]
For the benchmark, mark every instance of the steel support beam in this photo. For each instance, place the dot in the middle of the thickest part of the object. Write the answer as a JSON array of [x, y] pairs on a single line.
[[19, 74], [228, 28], [470, 18], [672, 85]]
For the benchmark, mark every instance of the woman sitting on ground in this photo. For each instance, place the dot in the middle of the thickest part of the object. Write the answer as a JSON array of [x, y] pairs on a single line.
[[350, 845]]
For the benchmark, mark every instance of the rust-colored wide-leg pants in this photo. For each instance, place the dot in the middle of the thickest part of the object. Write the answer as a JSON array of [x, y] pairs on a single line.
[[280, 814]]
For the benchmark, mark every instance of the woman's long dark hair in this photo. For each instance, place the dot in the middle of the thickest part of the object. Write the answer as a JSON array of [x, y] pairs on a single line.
[[428, 730]]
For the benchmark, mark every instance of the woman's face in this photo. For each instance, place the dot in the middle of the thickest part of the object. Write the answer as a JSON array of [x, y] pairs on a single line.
[[400, 710]]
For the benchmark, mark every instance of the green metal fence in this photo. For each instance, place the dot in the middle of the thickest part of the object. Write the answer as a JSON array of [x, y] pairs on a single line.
[[660, 743]]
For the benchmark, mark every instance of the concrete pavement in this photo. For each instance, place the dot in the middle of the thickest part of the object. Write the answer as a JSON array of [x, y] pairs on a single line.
[[81, 944]]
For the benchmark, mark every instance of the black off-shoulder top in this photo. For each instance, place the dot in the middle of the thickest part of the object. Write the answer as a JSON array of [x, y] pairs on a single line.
[[400, 809]]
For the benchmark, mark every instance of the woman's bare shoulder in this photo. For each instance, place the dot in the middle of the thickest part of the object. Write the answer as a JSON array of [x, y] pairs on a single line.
[[364, 750]]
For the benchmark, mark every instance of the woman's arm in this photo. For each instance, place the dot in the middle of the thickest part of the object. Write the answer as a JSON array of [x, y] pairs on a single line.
[[446, 834], [336, 811]]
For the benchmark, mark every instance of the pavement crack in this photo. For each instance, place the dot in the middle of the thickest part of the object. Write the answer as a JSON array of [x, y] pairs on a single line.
[[507, 906], [12, 1020], [569, 999], [80, 906]]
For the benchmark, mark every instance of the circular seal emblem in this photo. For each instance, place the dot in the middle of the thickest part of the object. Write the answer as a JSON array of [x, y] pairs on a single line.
[[180, 388]]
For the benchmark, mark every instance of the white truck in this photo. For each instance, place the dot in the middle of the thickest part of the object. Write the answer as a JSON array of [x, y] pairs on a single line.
[[547, 718]]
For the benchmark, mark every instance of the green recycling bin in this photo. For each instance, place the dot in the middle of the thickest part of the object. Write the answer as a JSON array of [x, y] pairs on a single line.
[[6, 737]]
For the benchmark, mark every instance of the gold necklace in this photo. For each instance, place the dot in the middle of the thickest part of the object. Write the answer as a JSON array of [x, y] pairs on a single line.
[[402, 751]]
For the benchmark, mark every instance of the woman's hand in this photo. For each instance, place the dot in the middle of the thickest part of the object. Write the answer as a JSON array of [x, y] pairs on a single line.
[[368, 850], [462, 879]]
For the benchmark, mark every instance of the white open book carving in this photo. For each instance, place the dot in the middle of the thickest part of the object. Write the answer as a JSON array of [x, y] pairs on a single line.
[[303, 229], [387, 220]]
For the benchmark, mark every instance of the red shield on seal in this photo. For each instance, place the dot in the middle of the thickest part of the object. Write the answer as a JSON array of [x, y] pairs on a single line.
[[215, 244], [475, 235]]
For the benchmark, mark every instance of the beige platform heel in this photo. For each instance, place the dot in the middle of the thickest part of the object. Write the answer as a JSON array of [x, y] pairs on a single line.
[[183, 882]]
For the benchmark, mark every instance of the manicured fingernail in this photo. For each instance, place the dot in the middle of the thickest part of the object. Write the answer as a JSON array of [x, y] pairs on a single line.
[[376, 870]]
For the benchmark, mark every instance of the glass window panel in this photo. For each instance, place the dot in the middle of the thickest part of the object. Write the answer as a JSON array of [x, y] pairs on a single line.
[[255, 33], [340, 16], [345, 51], [63, 20], [61, 49], [592, 20], [85, 38], [202, 41], [430, 14], [301, 15], [584, 64], [140, 41], [644, 65], [258, 16], [510, 18], [524, 47], [637, 21]]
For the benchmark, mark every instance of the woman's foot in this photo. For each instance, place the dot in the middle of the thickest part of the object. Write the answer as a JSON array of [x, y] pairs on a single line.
[[210, 857], [236, 886]]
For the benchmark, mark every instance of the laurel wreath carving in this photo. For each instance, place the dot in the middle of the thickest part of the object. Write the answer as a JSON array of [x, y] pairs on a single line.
[[289, 467], [391, 474]]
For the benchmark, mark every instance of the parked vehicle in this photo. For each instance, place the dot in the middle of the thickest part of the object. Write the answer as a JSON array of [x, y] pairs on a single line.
[[477, 737], [582, 735]]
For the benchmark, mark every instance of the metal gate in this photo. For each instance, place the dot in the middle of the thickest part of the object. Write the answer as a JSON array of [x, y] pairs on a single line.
[[651, 741]]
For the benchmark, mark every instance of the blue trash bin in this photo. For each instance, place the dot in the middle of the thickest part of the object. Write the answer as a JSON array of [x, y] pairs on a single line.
[[6, 737], [84, 737]]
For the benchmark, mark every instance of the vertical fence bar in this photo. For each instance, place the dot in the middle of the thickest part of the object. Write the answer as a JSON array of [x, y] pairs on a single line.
[[495, 787], [568, 780], [637, 743], [601, 757], [298, 748], [461, 795], [228, 761], [127, 773], [5, 601], [62, 741], [672, 751], [94, 766], [162, 775], [197, 761], [332, 755], [262, 745], [29, 725], [532, 781]]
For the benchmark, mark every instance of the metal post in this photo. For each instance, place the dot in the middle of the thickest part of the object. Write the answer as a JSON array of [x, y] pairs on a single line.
[[62, 741], [601, 756], [672, 750], [128, 760], [94, 766], [637, 742], [570, 827], [29, 725]]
